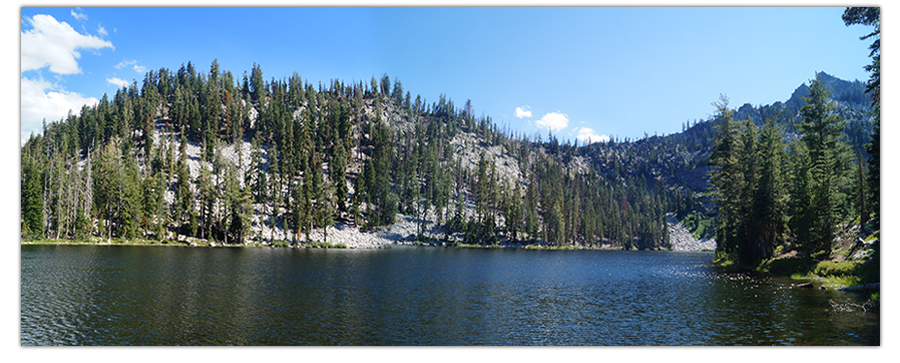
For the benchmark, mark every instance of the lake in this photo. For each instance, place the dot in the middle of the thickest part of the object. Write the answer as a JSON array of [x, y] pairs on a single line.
[[122, 295]]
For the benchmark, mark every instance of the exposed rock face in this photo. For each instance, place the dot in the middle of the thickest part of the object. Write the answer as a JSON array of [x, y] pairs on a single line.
[[682, 239]]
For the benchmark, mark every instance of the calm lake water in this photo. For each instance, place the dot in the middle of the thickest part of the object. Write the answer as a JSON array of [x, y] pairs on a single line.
[[115, 295]]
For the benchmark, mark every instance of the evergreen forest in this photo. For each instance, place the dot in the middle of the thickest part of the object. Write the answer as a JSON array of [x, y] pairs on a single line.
[[206, 155]]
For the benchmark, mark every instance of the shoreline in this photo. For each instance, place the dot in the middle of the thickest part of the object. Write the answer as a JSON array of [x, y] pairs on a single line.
[[403, 232], [336, 245]]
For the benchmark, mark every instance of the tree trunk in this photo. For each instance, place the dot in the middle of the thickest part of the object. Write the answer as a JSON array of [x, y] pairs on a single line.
[[863, 208]]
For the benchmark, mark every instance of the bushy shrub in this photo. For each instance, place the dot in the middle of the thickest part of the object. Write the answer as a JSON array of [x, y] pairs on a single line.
[[280, 244], [327, 245], [698, 226], [788, 266], [831, 268]]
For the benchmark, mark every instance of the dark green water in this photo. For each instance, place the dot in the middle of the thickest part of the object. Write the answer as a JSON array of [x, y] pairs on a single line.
[[107, 295]]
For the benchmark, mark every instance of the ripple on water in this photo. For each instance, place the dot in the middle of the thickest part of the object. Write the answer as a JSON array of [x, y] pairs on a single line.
[[410, 296]]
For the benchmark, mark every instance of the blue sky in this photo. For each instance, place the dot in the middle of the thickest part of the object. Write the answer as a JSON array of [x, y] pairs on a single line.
[[578, 72]]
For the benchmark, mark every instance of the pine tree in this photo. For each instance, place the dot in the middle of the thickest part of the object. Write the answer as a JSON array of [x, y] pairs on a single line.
[[235, 205], [257, 85], [240, 216], [212, 114], [768, 208], [325, 206], [298, 210], [107, 185], [183, 197], [385, 85], [821, 138], [274, 191], [256, 179], [205, 198], [748, 229], [32, 198], [86, 206], [154, 205], [871, 16], [481, 191], [61, 179], [382, 203], [130, 212], [338, 176], [726, 181], [512, 211]]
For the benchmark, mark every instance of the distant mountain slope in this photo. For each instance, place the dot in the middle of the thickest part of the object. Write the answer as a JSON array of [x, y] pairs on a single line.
[[679, 161]]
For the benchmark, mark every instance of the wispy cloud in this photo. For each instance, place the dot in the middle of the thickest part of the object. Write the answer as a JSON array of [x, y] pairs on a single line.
[[102, 31], [523, 112], [553, 121], [588, 136], [118, 82], [55, 44], [78, 15], [125, 63]]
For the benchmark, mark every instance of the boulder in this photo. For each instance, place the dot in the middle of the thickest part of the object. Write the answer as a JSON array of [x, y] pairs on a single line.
[[872, 286]]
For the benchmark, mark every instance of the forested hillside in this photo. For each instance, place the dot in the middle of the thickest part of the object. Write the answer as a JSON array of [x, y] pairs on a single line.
[[681, 161], [206, 156]]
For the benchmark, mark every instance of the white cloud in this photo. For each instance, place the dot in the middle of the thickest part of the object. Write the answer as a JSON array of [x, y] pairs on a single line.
[[553, 121], [125, 63], [587, 136], [118, 82], [42, 100], [140, 69], [102, 31], [79, 15], [52, 43], [523, 112]]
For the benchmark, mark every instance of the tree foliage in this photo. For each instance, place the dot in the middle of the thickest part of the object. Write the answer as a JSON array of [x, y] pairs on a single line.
[[871, 16]]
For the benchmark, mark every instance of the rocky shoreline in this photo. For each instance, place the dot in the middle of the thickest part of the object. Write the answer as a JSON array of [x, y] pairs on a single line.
[[682, 239], [402, 233]]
